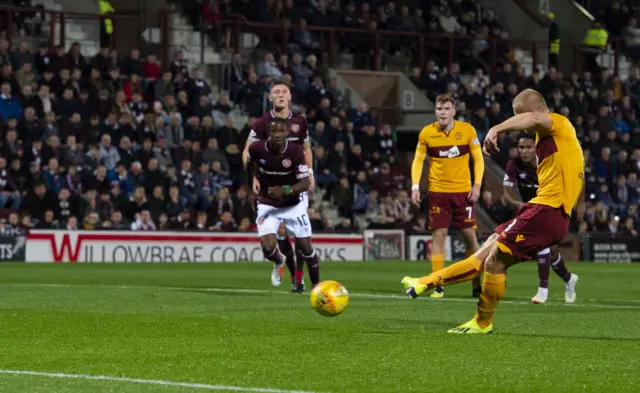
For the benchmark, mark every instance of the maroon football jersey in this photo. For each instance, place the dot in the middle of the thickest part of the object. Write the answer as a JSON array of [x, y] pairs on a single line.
[[298, 131], [524, 175], [278, 169]]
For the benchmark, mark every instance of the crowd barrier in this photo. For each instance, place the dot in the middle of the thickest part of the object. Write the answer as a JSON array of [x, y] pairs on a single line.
[[58, 246]]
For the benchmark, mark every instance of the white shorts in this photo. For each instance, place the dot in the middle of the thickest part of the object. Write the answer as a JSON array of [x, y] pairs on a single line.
[[295, 218]]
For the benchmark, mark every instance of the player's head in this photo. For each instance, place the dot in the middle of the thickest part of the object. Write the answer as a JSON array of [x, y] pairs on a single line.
[[280, 94], [445, 110], [526, 146], [529, 100], [278, 132]]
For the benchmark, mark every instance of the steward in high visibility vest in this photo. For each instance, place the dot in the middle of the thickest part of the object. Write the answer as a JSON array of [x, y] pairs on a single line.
[[595, 42], [596, 37], [106, 27], [554, 40]]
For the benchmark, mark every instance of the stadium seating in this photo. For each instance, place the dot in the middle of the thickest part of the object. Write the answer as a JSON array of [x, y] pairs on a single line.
[[105, 137]]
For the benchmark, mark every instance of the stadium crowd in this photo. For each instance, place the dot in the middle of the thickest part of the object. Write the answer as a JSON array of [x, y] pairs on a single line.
[[118, 142], [113, 142]]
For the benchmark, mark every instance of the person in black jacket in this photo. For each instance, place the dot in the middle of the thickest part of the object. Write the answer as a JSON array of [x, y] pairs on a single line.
[[38, 201]]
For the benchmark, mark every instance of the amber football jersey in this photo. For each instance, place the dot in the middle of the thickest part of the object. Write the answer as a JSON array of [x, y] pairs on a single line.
[[448, 154], [560, 165]]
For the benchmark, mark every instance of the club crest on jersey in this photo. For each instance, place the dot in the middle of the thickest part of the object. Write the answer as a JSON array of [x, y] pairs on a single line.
[[458, 135], [286, 163], [295, 128]]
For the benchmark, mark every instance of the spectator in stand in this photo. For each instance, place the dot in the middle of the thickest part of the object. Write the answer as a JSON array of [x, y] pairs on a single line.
[[10, 107]]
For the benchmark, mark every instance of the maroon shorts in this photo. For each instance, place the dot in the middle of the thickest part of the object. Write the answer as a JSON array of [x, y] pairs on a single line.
[[446, 208], [535, 228]]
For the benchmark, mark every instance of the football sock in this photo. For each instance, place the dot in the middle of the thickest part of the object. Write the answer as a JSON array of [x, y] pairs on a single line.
[[560, 269], [476, 284], [544, 257], [274, 256], [299, 266], [437, 262], [313, 265], [285, 248], [492, 291], [458, 272]]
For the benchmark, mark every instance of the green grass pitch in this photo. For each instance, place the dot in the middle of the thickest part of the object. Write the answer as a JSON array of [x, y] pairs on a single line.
[[222, 327]]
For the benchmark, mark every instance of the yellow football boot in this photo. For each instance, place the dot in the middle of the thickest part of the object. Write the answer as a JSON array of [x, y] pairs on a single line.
[[438, 293], [412, 287], [471, 327]]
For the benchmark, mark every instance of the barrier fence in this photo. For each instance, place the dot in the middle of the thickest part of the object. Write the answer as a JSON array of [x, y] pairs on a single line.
[[198, 247], [234, 32]]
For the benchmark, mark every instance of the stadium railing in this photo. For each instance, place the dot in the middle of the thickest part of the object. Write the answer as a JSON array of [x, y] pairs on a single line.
[[443, 47], [54, 25], [369, 45]]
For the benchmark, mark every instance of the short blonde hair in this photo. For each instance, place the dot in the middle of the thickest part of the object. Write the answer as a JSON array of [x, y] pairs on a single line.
[[529, 100]]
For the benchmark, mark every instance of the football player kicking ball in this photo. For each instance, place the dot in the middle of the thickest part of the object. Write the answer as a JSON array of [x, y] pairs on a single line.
[[522, 171], [539, 223], [283, 175], [452, 198], [280, 97]]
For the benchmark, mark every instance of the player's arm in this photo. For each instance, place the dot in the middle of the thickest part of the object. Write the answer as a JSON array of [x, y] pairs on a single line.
[[308, 159], [417, 167], [507, 193], [580, 205], [245, 152], [249, 165], [508, 185], [301, 186], [540, 123], [478, 166], [301, 171], [532, 121]]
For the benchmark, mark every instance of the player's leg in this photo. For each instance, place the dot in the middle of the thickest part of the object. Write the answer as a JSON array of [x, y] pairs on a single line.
[[493, 286], [268, 225], [271, 252], [310, 257], [535, 227], [298, 223], [471, 243], [544, 265], [287, 250], [439, 221], [298, 284], [570, 279], [458, 272], [437, 257], [464, 219]]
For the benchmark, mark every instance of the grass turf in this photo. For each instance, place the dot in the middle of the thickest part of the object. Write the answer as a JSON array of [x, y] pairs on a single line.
[[193, 323]]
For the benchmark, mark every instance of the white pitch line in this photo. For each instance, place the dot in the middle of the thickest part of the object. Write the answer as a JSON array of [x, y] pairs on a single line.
[[149, 382], [592, 302]]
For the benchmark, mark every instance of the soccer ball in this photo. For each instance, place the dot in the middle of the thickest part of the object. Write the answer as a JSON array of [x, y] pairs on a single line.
[[329, 298]]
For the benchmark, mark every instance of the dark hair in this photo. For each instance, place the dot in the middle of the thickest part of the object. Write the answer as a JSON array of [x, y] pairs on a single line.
[[278, 83], [527, 135]]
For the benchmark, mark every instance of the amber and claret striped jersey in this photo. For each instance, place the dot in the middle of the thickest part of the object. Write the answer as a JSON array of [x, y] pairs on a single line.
[[448, 158], [560, 165]]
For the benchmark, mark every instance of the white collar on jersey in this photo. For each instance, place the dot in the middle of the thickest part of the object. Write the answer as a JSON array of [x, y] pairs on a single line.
[[273, 115], [286, 144]]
